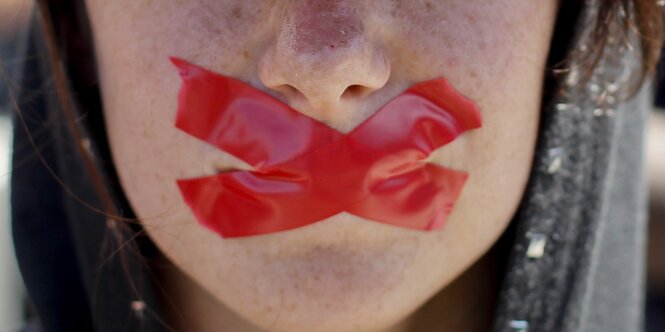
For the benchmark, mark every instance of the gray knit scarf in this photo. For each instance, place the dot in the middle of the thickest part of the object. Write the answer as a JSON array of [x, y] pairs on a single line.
[[577, 261]]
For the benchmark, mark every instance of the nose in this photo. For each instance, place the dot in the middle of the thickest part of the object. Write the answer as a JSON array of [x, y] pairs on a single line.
[[322, 61]]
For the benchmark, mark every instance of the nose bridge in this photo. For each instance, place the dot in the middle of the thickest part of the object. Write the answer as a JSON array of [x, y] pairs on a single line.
[[320, 26], [321, 55]]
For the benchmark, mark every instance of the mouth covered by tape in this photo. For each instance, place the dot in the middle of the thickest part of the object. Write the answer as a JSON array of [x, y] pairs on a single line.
[[305, 171]]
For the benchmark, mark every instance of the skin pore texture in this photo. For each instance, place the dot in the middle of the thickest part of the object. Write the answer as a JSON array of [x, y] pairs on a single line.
[[337, 61]]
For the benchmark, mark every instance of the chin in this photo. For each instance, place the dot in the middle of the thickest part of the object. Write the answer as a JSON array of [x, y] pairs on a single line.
[[338, 275]]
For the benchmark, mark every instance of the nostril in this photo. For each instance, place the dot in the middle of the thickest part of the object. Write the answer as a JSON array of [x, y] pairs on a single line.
[[355, 91], [289, 91]]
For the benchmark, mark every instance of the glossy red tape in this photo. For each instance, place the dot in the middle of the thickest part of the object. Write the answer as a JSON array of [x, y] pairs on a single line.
[[306, 171]]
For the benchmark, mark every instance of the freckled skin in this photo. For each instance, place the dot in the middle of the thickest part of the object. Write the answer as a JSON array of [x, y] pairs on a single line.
[[343, 274], [320, 25]]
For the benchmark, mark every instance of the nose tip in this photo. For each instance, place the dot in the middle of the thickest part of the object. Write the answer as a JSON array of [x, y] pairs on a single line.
[[322, 59], [324, 80]]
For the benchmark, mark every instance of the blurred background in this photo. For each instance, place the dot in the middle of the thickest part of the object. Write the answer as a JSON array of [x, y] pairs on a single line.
[[656, 246], [14, 15]]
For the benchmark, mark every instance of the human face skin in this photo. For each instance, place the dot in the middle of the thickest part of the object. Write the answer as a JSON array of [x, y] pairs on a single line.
[[344, 273]]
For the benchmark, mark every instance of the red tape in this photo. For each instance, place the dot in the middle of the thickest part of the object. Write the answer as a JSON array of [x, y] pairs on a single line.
[[306, 171]]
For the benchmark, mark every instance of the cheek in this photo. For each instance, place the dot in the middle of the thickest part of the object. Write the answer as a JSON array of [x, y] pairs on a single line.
[[227, 37], [494, 52], [140, 87]]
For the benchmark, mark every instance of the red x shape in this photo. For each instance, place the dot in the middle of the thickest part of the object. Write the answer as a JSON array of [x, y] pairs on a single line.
[[306, 171]]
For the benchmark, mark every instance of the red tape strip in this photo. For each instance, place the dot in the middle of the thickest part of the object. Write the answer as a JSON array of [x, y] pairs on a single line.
[[306, 171]]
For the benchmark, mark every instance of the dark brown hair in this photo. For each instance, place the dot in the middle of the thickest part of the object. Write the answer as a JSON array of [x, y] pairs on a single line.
[[649, 24], [646, 22]]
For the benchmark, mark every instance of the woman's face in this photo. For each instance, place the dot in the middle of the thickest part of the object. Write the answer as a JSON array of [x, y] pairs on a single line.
[[344, 272]]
